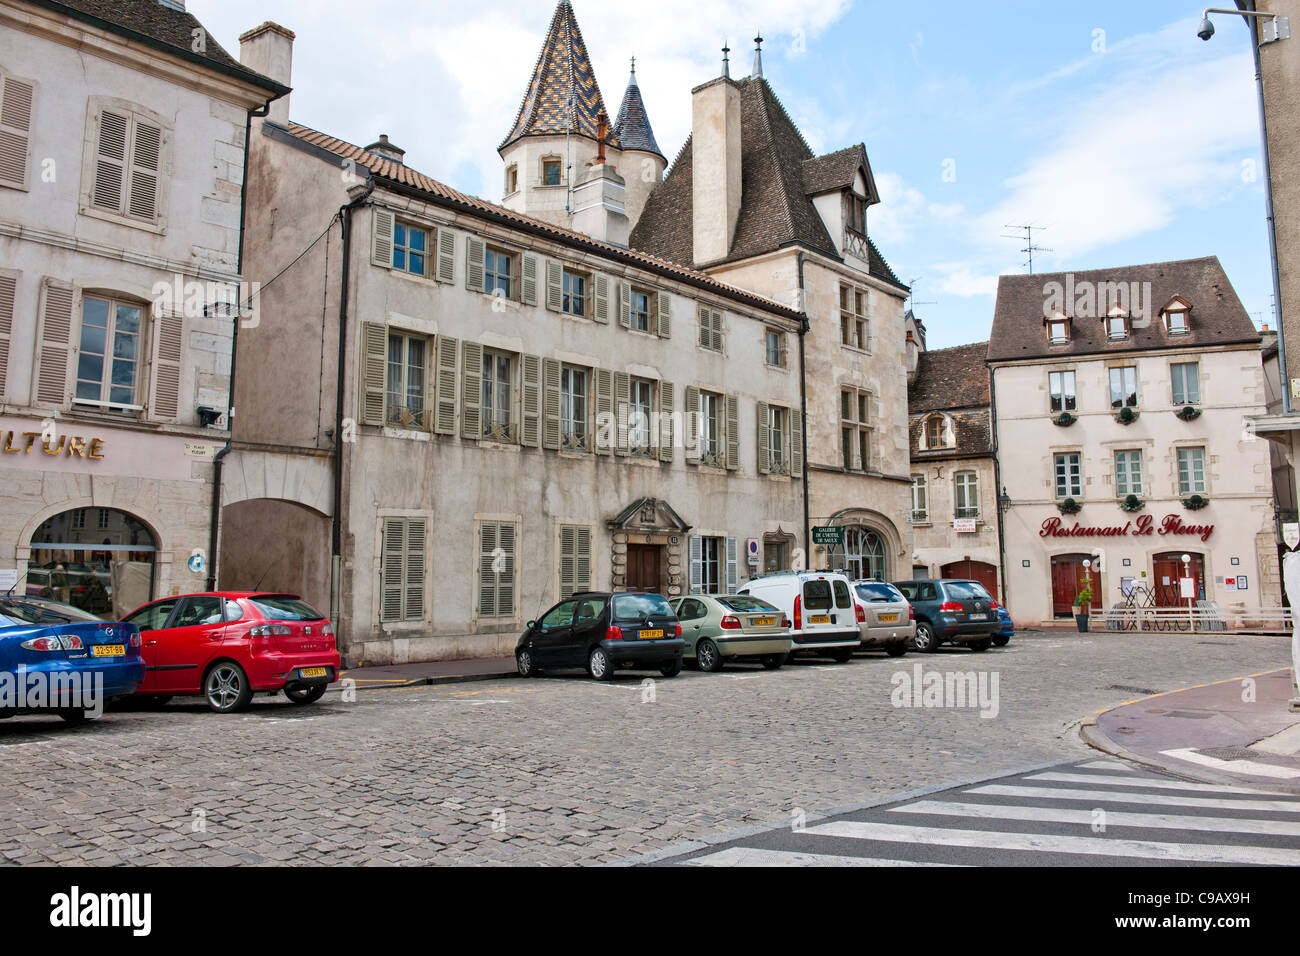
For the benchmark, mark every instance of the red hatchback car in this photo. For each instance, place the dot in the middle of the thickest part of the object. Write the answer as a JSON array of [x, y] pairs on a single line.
[[227, 646]]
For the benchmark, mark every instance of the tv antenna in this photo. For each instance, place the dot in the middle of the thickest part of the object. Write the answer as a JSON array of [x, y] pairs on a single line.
[[1026, 233], [911, 298]]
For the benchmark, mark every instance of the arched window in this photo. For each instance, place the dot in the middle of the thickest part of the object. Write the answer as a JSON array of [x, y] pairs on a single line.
[[98, 559], [936, 435], [864, 554]]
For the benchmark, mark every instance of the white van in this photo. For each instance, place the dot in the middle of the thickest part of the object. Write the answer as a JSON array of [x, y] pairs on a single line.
[[824, 617]]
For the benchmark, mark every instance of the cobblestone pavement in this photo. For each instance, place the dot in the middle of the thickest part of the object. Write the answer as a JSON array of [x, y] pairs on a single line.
[[560, 769]]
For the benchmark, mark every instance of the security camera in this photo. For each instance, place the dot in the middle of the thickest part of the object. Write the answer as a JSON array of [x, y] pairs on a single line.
[[1207, 29]]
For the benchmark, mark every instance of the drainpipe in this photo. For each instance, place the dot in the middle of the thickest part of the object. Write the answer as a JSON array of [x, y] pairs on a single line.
[[997, 482], [803, 406]]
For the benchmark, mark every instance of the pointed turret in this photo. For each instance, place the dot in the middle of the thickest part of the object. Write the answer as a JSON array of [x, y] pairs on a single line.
[[643, 162]]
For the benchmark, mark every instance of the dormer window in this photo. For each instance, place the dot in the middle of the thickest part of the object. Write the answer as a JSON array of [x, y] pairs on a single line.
[[857, 213], [1175, 315], [937, 433], [1058, 328], [1117, 321]]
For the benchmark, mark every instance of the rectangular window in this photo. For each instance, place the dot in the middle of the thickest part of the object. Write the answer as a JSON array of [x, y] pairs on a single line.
[[406, 381], [1058, 333], [498, 273], [1187, 383], [410, 249], [855, 429], [774, 348], [575, 560], [777, 419], [128, 162], [575, 293], [920, 500], [1069, 475], [573, 407], [496, 569], [854, 329], [711, 450], [551, 172], [640, 310], [1128, 473], [498, 396], [1123, 387], [1191, 471], [108, 361], [512, 179], [1176, 322], [102, 519], [1116, 328], [640, 405], [1061, 387], [401, 570], [711, 566], [711, 329], [966, 492]]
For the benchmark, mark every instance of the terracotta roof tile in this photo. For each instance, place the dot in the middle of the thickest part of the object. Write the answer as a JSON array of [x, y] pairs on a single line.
[[950, 378]]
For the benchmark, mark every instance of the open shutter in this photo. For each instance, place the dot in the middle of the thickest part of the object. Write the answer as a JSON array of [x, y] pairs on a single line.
[[733, 566], [622, 399], [625, 305], [582, 559], [474, 276], [446, 256], [696, 551], [568, 560], [606, 430], [554, 285], [764, 453], [381, 238], [487, 578], [390, 572], [54, 344], [15, 130], [601, 312], [531, 379], [667, 438], [664, 315], [8, 296], [146, 154], [374, 368], [733, 433], [796, 444], [471, 403], [694, 426], [110, 161], [528, 283], [168, 348], [415, 541], [551, 404], [444, 422], [506, 579]]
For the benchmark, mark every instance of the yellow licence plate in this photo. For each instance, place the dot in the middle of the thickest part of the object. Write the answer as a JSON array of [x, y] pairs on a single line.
[[764, 621], [107, 650], [651, 635], [888, 618], [312, 671], [819, 619]]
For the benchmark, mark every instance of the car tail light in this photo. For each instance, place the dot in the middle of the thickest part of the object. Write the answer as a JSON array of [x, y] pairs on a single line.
[[613, 633], [678, 632], [45, 644], [269, 630], [798, 612], [327, 630], [862, 615], [948, 607], [993, 605], [911, 613], [731, 623], [135, 640]]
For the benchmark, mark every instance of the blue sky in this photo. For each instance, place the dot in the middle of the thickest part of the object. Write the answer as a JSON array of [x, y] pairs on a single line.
[[1106, 123]]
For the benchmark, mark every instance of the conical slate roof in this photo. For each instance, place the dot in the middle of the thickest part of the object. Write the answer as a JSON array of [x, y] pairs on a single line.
[[563, 66], [632, 128]]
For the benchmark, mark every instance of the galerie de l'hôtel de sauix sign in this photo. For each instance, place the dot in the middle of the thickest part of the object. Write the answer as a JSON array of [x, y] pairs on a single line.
[[1141, 527]]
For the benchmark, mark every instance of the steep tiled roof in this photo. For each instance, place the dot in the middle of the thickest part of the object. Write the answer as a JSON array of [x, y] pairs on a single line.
[[562, 67], [971, 432], [775, 208], [632, 127], [436, 192], [834, 171], [161, 27], [950, 378], [1216, 317]]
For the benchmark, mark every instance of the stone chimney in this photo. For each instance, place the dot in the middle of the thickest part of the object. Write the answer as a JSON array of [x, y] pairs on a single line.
[[600, 205], [715, 168], [268, 50], [387, 149]]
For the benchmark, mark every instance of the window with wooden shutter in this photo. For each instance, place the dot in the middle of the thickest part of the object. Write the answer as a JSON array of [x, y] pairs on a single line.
[[733, 566], [554, 285], [733, 433], [382, 223], [446, 271], [54, 344], [168, 352], [530, 429], [8, 298], [667, 435], [110, 161], [625, 305], [414, 589], [696, 552], [606, 427], [471, 394], [475, 249], [444, 422], [374, 358], [551, 404], [694, 426], [15, 130], [601, 311], [128, 165], [622, 403], [796, 444], [575, 560], [146, 162], [528, 286], [496, 578], [764, 453], [664, 315], [710, 329], [401, 570]]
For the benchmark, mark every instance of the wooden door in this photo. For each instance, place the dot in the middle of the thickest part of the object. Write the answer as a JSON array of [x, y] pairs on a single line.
[[1169, 568], [985, 574], [1067, 581], [643, 567]]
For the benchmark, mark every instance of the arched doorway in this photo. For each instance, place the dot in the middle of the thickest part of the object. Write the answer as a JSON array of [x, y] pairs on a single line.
[[1068, 577], [865, 554], [272, 545], [98, 559], [981, 571], [1168, 570]]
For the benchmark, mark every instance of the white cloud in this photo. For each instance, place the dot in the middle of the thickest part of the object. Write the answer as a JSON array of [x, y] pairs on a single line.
[[964, 279], [901, 209]]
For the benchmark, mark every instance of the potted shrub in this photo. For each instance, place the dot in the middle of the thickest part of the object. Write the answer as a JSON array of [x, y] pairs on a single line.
[[1132, 503], [1083, 606], [1127, 415], [1065, 420], [1069, 507], [1195, 502], [1188, 413]]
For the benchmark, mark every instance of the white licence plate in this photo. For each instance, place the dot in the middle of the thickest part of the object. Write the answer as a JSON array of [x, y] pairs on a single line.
[[979, 617]]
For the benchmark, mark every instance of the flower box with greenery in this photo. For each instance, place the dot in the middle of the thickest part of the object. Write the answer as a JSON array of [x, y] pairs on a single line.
[[1132, 503], [1195, 502], [1065, 420], [1069, 506], [1127, 415], [1188, 413]]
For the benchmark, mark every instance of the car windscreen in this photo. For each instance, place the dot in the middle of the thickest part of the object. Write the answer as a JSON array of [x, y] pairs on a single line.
[[967, 591], [275, 607], [817, 595], [876, 593], [638, 607], [22, 614], [745, 603]]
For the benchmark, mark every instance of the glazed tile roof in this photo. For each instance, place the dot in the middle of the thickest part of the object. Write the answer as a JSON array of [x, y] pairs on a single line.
[[1217, 316], [972, 432], [950, 378], [442, 194], [562, 66], [632, 127]]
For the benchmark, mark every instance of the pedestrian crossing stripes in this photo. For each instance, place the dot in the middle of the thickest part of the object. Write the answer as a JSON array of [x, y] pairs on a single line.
[[1090, 813]]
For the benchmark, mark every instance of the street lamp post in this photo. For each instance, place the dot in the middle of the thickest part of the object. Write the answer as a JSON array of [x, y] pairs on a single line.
[[1187, 576]]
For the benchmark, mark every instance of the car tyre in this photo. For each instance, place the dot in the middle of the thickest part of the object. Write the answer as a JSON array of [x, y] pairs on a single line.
[[525, 663], [842, 655], [983, 644], [226, 688], [774, 662], [599, 666], [925, 640], [671, 668], [897, 649], [707, 656], [306, 695], [1001, 640]]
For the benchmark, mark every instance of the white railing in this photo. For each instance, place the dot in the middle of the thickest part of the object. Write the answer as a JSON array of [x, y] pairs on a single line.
[[1204, 616]]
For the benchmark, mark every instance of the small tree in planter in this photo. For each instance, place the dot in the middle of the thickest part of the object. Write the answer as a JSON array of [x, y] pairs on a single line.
[[1083, 605]]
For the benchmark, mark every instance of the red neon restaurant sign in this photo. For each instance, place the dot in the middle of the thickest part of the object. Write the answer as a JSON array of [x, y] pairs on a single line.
[[1143, 526]]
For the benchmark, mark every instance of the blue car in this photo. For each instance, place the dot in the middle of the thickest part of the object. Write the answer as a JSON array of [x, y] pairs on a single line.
[[50, 663], [1004, 636]]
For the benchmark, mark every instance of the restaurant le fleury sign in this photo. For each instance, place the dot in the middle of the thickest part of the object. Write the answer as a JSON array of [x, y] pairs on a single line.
[[1142, 526]]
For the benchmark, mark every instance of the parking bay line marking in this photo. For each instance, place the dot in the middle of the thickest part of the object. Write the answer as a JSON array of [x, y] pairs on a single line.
[[1112, 818], [1150, 799], [754, 856]]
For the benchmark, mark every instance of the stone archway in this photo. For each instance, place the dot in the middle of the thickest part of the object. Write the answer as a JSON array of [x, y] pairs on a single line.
[[647, 540], [269, 544]]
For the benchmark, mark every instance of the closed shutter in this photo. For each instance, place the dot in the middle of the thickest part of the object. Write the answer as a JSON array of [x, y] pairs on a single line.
[[664, 315], [667, 438], [444, 422], [554, 285], [694, 425], [622, 399], [606, 429], [110, 161], [374, 367], [8, 296], [381, 238], [390, 570], [475, 279], [601, 312], [506, 578], [15, 130], [733, 566], [54, 344], [528, 285], [487, 577], [530, 431], [717, 331], [471, 403], [146, 156], [696, 551], [415, 546], [446, 256], [582, 560], [796, 444], [733, 433], [551, 404], [764, 452], [625, 305], [706, 335], [168, 349], [568, 560]]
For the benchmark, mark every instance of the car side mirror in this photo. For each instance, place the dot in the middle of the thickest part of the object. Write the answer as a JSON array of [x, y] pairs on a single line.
[[531, 625]]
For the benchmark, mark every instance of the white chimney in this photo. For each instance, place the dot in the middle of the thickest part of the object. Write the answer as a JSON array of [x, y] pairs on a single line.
[[268, 50], [715, 168], [600, 205]]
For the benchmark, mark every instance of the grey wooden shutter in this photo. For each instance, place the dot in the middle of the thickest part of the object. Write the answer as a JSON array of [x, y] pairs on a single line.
[[717, 330], [487, 578], [582, 559], [15, 130], [625, 305], [705, 336], [694, 425], [381, 238], [568, 560], [413, 609], [168, 352], [475, 277], [601, 311], [506, 579], [606, 429], [764, 453], [528, 285], [446, 271], [444, 422], [390, 569], [471, 403], [374, 368], [733, 433], [54, 350], [146, 163], [8, 296], [733, 566], [530, 432], [110, 161], [622, 399], [554, 285], [667, 437], [664, 315], [696, 554], [551, 404], [796, 443]]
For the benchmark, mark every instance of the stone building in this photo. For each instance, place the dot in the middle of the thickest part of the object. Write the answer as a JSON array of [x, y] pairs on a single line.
[[121, 168]]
